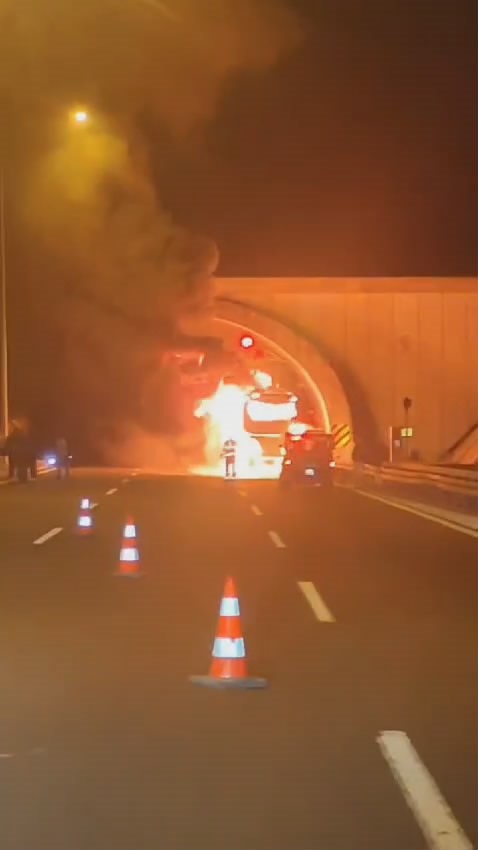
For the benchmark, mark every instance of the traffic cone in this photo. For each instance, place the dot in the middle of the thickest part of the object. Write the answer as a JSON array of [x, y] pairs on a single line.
[[84, 523], [229, 664], [129, 555]]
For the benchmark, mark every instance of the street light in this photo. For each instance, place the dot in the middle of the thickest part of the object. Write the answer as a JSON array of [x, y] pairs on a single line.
[[80, 116]]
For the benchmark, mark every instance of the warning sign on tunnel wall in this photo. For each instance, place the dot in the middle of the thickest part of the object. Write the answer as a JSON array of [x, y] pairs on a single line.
[[342, 436]]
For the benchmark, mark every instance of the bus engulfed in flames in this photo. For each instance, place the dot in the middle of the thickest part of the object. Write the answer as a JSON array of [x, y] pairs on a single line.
[[236, 412], [223, 414]]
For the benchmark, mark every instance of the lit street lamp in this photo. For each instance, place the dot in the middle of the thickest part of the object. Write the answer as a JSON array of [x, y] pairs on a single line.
[[80, 116]]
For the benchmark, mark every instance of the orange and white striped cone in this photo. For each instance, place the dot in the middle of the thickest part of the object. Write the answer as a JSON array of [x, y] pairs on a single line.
[[129, 562], [84, 523], [229, 663]]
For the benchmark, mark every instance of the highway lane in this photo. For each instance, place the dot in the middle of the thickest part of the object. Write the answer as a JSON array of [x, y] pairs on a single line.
[[106, 744], [406, 591]]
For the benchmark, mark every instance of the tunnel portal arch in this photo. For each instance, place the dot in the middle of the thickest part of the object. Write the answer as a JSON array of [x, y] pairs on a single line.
[[320, 378]]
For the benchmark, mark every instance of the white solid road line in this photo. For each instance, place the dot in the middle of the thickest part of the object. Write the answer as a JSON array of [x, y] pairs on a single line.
[[255, 510], [277, 540], [113, 490], [472, 532], [52, 533], [434, 816], [316, 602]]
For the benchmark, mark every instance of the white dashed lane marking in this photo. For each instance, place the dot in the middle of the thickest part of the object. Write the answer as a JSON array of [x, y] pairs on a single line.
[[255, 510], [44, 537], [277, 541], [316, 602], [435, 818], [113, 490]]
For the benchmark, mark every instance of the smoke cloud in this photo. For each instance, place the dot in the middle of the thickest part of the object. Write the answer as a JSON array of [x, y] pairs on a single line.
[[86, 193], [170, 58], [91, 204]]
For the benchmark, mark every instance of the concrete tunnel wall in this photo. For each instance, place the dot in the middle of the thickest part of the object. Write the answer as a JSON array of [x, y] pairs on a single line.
[[384, 338], [324, 386]]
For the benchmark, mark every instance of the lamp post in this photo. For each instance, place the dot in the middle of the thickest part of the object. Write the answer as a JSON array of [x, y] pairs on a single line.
[[3, 300], [79, 117]]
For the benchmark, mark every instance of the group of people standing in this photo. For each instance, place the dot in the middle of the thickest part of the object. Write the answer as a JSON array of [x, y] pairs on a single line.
[[21, 451]]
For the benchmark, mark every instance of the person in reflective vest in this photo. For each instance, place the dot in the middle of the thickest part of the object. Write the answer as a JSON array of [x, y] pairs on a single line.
[[229, 453]]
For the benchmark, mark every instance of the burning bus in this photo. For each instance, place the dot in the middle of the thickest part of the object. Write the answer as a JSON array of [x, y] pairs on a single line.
[[267, 417]]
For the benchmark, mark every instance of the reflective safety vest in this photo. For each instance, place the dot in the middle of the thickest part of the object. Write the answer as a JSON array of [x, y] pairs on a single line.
[[229, 449]]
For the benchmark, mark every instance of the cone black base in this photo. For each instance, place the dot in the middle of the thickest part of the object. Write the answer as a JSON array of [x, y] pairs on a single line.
[[250, 683]]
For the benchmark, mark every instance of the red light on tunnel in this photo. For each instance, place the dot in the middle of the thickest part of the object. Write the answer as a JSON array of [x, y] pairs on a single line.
[[246, 341]]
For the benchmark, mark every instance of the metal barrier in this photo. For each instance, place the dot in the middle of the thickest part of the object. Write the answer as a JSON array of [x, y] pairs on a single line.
[[449, 480], [443, 480], [42, 469]]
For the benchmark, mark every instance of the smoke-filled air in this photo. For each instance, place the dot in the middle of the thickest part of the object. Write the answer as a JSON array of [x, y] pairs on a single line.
[[108, 272]]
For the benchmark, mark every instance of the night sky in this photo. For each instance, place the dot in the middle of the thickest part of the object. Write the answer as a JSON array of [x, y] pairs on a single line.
[[354, 156]]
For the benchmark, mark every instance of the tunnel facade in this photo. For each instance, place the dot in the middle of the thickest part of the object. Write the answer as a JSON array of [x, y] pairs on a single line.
[[323, 385], [368, 344]]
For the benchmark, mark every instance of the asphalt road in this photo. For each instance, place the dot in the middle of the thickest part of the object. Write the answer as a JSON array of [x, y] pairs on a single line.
[[106, 745]]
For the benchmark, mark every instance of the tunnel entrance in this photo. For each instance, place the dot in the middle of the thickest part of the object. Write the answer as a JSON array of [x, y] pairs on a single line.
[[287, 373], [216, 371], [313, 376]]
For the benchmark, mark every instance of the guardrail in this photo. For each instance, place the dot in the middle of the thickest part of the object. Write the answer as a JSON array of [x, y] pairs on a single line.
[[451, 480], [42, 468], [444, 480]]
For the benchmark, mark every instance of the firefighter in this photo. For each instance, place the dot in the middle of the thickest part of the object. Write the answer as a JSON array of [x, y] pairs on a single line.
[[229, 453]]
